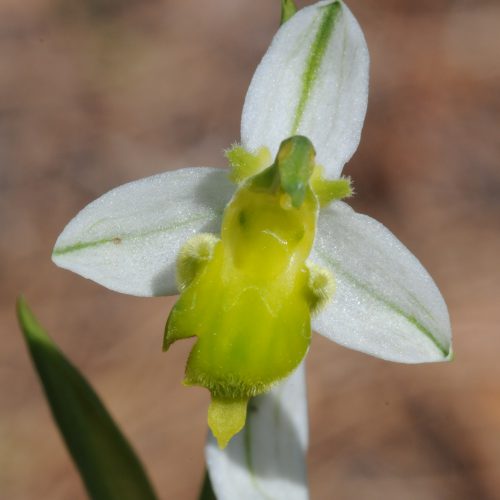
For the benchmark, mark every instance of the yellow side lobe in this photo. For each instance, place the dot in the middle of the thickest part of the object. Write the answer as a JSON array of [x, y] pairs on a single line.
[[226, 417]]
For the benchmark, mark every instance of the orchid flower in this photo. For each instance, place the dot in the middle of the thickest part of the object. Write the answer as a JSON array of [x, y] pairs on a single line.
[[291, 256]]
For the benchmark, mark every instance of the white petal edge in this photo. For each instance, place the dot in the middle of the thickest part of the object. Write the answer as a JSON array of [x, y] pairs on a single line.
[[335, 98], [385, 303], [128, 239], [267, 459]]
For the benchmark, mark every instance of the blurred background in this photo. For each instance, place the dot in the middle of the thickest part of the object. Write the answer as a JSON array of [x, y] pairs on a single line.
[[94, 93]]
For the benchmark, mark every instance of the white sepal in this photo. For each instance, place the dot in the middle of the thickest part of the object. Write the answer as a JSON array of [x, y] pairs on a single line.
[[312, 81], [128, 239], [267, 459], [385, 303]]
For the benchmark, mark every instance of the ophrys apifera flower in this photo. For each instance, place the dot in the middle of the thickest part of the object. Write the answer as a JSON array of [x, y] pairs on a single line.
[[276, 253]]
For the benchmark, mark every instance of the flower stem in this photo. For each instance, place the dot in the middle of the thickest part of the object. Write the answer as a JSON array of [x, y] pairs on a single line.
[[207, 492], [288, 9]]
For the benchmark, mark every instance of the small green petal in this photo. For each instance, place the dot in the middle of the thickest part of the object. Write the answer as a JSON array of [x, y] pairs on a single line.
[[246, 164], [327, 190]]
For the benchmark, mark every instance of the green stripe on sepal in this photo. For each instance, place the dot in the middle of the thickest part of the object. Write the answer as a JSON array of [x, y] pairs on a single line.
[[365, 288], [318, 48], [385, 304], [117, 240], [108, 465]]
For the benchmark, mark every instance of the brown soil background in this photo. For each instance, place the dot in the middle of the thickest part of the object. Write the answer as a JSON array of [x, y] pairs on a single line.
[[94, 93]]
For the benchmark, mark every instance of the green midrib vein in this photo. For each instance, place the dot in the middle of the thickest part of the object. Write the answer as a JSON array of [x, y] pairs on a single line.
[[315, 59], [118, 238], [390, 305]]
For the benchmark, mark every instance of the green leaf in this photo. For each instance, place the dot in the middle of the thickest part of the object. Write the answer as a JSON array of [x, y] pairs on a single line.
[[288, 9], [107, 463]]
